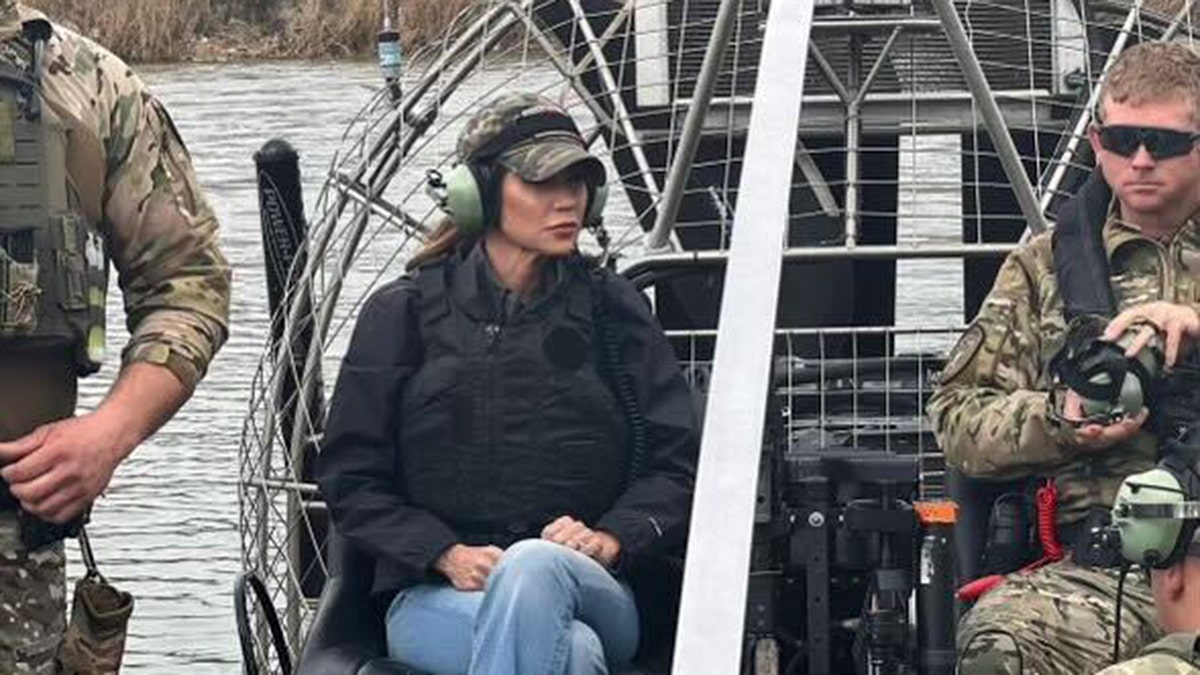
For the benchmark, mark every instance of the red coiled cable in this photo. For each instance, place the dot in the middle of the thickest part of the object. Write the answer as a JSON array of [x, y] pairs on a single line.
[[1047, 512], [1052, 549]]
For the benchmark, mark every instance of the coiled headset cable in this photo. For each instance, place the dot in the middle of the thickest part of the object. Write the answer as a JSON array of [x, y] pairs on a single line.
[[620, 379]]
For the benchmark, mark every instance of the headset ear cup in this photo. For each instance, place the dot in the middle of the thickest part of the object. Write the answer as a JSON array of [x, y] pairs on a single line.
[[464, 200], [596, 204], [1182, 542]]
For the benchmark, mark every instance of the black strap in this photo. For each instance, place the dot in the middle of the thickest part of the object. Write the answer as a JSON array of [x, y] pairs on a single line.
[[89, 558], [1080, 260], [525, 128], [434, 301], [1099, 357], [28, 80]]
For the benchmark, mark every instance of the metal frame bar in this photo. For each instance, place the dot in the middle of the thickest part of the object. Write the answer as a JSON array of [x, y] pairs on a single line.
[[885, 97], [854, 131], [876, 24], [1063, 163], [693, 126], [816, 180], [379, 206], [715, 584], [993, 120], [627, 128], [664, 261]]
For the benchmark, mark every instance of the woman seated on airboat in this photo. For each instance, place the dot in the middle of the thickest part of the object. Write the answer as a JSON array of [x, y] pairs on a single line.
[[511, 436]]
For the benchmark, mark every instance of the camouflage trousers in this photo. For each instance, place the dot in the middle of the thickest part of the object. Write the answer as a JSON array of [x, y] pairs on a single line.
[[1057, 619], [32, 604]]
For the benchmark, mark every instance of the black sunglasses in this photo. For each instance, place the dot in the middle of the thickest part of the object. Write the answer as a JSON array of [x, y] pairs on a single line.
[[1160, 143]]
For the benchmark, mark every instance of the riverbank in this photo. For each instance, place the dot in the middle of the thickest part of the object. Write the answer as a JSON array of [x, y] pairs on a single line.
[[229, 30]]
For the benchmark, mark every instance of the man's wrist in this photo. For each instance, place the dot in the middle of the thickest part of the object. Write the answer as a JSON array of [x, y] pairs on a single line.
[[142, 399], [126, 434]]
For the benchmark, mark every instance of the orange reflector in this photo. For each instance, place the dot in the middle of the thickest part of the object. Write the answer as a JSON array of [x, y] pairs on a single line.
[[937, 513]]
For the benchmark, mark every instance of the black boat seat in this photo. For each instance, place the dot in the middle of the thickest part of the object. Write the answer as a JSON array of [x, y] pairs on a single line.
[[347, 634], [975, 498]]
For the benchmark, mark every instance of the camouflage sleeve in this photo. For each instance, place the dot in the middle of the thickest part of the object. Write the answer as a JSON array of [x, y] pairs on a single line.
[[1152, 664], [989, 412], [163, 242], [161, 232]]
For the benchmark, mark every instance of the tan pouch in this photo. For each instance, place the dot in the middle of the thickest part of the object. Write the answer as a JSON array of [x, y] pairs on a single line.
[[18, 296], [94, 643]]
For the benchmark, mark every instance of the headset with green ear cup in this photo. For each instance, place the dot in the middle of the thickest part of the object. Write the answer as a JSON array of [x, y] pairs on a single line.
[[1155, 513], [464, 198], [467, 185]]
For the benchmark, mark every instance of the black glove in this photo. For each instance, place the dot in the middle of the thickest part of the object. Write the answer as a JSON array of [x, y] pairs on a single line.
[[37, 534]]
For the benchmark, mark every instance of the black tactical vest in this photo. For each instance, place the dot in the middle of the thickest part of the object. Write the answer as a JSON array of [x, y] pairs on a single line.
[[53, 266], [509, 422], [1080, 261]]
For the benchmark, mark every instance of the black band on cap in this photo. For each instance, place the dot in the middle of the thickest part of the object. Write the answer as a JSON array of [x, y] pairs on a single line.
[[525, 128]]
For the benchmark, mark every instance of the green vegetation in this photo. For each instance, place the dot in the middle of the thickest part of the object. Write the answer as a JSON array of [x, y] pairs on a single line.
[[172, 30]]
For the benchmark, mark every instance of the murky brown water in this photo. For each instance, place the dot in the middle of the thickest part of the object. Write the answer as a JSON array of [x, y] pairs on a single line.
[[167, 530]]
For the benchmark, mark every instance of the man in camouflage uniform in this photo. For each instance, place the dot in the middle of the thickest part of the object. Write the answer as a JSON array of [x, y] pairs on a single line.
[[1177, 601], [996, 418], [130, 176]]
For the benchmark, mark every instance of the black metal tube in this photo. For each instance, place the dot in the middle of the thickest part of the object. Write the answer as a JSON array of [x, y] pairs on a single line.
[[284, 231], [936, 615]]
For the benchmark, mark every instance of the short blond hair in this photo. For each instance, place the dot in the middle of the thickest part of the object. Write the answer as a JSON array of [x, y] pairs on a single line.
[[1154, 72]]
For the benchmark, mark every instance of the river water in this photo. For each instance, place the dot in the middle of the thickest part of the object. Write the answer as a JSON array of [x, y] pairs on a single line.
[[167, 529]]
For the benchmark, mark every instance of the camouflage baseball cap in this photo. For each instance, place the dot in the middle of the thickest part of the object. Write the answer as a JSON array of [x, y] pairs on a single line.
[[529, 135]]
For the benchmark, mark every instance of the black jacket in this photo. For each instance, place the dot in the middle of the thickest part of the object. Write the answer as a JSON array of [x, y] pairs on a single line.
[[360, 457]]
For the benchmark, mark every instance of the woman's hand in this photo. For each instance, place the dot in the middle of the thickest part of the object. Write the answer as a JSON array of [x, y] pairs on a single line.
[[600, 546], [468, 567]]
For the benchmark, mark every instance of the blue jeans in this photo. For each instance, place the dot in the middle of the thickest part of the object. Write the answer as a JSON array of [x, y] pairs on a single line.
[[547, 610]]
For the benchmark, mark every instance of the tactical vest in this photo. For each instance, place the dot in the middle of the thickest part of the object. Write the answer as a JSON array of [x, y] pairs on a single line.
[[509, 422], [53, 266]]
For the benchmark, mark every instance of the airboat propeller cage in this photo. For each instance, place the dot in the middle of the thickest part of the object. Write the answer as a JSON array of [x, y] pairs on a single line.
[[880, 97], [1149, 512]]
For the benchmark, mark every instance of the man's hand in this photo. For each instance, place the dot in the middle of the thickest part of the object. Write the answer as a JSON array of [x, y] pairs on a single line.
[[468, 567], [1096, 436], [1174, 322], [58, 470], [61, 468], [598, 545]]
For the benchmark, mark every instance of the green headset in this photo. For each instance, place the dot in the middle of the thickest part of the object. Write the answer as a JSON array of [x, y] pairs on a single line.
[[470, 192], [1157, 512]]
